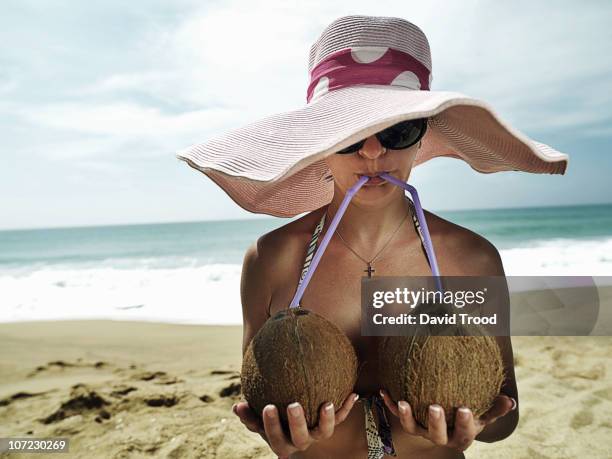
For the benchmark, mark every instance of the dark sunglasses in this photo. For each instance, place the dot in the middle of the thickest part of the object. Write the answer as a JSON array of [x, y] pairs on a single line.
[[397, 137]]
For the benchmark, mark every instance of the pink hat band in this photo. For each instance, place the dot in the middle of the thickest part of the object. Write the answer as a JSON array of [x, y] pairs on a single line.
[[367, 66]]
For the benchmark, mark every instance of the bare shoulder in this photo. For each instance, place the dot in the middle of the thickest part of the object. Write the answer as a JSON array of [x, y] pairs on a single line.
[[278, 253], [462, 251]]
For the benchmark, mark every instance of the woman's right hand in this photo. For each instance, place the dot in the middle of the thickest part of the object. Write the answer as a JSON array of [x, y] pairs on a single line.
[[300, 437]]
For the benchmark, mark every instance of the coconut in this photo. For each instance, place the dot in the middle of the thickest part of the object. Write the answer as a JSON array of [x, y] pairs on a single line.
[[298, 356], [463, 368]]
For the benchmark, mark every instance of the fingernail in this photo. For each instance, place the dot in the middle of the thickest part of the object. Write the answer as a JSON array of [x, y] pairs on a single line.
[[402, 406], [356, 397], [382, 394], [294, 409], [234, 408], [329, 407], [269, 409], [514, 404], [435, 411], [464, 412]]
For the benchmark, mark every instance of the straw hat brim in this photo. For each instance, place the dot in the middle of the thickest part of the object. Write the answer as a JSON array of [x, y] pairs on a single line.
[[276, 165]]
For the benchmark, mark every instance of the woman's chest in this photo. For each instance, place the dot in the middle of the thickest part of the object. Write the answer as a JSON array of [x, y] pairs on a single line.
[[334, 292]]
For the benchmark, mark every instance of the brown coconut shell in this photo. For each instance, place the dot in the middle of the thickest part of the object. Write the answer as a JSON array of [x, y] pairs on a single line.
[[298, 356], [462, 370]]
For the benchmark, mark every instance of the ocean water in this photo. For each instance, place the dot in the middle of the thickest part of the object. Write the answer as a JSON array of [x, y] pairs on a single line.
[[190, 272]]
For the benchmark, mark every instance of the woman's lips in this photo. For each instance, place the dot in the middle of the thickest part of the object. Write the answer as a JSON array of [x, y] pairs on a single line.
[[375, 181]]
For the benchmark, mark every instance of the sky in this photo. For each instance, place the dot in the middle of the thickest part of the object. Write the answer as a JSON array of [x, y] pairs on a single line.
[[97, 97]]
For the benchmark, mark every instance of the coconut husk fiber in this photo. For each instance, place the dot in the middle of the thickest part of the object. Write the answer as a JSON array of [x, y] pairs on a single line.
[[298, 356], [463, 368]]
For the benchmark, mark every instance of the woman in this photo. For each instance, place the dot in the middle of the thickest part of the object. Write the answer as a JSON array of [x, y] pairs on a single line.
[[367, 100], [369, 229]]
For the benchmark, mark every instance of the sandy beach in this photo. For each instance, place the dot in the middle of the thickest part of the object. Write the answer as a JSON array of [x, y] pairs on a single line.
[[135, 389], [125, 389]]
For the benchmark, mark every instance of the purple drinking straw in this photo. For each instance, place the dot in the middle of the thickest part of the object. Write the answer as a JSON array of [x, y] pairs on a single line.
[[421, 218], [336, 220], [330, 231]]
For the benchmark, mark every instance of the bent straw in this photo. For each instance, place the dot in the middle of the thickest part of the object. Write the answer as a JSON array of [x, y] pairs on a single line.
[[421, 218], [338, 216]]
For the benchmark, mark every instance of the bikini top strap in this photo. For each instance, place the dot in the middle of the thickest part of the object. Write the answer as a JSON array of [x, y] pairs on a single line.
[[312, 246], [417, 226]]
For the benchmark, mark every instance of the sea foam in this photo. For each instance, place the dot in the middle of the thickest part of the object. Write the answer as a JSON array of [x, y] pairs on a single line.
[[210, 293]]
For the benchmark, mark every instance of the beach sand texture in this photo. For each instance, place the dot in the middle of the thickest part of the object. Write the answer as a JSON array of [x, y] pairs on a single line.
[[134, 389]]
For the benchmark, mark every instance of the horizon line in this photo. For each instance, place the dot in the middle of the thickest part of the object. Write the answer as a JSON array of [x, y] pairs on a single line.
[[269, 217]]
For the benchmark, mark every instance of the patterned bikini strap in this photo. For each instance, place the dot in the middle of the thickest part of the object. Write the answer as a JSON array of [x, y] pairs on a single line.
[[417, 225], [311, 251], [312, 247]]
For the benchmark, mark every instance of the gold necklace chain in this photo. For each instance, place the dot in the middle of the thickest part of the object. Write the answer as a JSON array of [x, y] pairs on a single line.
[[369, 269]]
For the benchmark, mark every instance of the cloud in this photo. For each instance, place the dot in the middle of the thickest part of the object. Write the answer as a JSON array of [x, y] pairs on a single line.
[[221, 54], [148, 81], [518, 56], [124, 119], [107, 130], [8, 84], [536, 66]]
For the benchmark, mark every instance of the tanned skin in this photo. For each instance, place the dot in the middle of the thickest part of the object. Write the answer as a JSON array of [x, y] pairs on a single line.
[[271, 270]]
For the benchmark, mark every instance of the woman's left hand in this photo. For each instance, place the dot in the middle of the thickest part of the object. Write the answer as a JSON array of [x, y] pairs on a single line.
[[466, 427]]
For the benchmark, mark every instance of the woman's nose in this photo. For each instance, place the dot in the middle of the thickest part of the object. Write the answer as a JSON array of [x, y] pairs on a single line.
[[372, 148]]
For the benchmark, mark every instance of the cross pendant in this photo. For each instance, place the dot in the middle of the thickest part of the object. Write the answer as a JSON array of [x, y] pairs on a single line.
[[370, 270]]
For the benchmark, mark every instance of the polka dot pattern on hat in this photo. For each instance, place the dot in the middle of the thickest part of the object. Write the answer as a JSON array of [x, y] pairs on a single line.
[[321, 87], [373, 65], [407, 79], [368, 54], [358, 31]]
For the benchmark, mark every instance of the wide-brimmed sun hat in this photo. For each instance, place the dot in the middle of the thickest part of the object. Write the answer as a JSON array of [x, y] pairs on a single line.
[[366, 74]]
